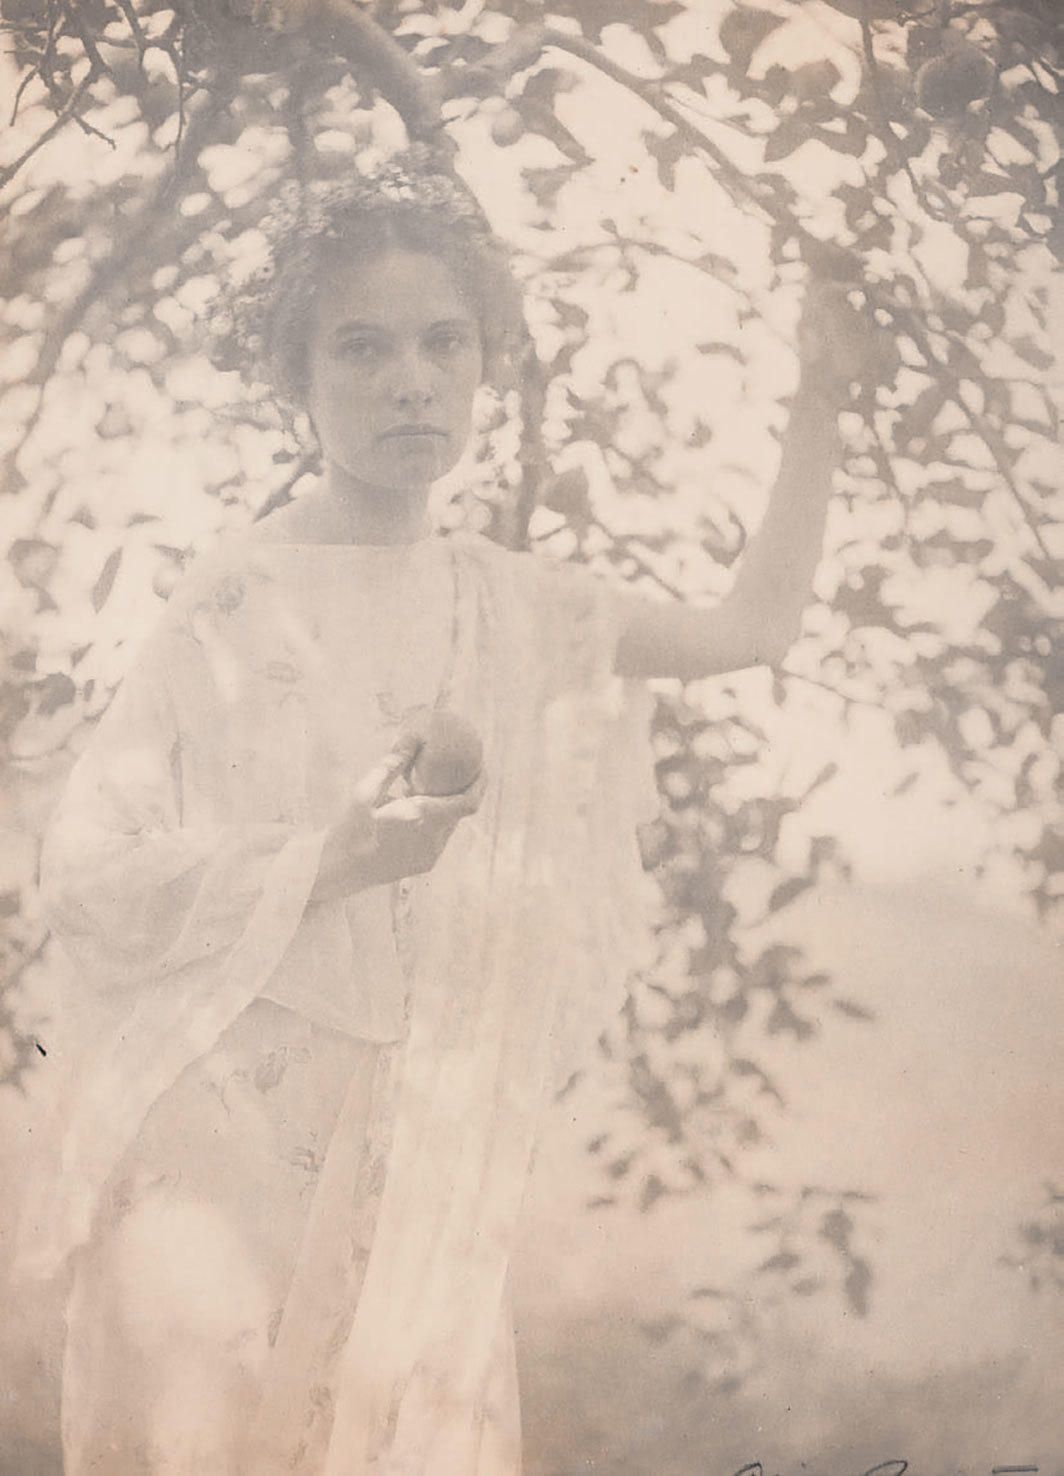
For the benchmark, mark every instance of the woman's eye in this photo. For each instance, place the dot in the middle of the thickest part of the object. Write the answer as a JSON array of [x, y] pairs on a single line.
[[360, 350], [448, 341]]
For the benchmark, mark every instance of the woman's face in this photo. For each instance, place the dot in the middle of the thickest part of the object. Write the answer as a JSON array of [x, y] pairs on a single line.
[[394, 363]]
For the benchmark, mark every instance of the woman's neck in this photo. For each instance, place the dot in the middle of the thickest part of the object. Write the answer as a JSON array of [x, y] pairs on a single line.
[[338, 511]]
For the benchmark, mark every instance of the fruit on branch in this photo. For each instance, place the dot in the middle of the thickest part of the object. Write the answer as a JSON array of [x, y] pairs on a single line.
[[889, 10], [947, 85], [568, 493], [507, 127], [448, 755]]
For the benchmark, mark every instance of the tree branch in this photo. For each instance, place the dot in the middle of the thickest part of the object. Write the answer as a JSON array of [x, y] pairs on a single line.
[[134, 25], [73, 14], [66, 115], [33, 73], [883, 128], [370, 50], [738, 184], [976, 422], [533, 451], [110, 269]]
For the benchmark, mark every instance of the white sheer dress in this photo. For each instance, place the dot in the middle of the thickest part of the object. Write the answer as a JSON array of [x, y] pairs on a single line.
[[291, 1172]]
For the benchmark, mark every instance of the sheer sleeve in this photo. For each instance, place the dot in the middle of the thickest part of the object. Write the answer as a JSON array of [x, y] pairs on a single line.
[[130, 890], [175, 902]]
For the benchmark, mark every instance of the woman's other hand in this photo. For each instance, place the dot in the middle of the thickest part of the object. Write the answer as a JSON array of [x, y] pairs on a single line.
[[379, 840], [411, 832]]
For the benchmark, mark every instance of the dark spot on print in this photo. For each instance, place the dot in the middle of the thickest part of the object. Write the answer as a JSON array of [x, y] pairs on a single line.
[[270, 1071], [306, 1159], [229, 594]]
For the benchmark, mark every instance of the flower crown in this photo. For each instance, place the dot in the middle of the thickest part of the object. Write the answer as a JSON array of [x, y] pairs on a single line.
[[311, 211], [418, 178]]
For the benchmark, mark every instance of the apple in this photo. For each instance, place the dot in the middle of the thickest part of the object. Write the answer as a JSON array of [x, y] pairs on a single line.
[[876, 9], [507, 127], [948, 84], [448, 755]]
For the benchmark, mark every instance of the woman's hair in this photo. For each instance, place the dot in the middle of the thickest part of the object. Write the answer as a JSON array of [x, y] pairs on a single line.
[[319, 226]]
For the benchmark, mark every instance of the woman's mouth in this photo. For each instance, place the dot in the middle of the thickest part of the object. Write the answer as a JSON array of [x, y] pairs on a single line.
[[414, 433]]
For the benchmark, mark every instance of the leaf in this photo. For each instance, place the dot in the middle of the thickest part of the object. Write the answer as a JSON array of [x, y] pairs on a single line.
[[568, 494], [781, 1261], [33, 561], [668, 149], [857, 1286], [56, 691], [787, 891], [836, 1228], [827, 773], [807, 1286], [784, 1018], [1032, 353], [714, 346], [105, 583], [850, 1008], [653, 1190], [917, 419], [789, 136], [742, 32]]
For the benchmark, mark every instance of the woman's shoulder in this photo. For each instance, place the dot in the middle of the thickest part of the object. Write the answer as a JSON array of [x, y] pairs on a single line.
[[218, 575]]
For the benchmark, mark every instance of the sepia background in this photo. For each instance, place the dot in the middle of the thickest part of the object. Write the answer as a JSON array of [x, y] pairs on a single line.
[[804, 1204]]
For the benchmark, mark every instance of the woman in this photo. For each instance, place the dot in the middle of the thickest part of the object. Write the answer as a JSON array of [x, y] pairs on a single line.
[[336, 1008]]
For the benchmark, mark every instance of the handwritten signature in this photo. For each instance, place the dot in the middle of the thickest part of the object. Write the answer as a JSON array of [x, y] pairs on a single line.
[[896, 1468]]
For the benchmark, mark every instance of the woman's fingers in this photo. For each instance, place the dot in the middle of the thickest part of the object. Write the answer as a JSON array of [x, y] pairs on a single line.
[[435, 812], [466, 801], [375, 784]]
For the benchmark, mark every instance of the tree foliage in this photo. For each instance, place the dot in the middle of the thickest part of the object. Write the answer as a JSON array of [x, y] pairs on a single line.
[[910, 151]]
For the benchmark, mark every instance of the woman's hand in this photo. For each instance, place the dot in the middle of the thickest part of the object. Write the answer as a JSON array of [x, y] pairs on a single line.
[[379, 840]]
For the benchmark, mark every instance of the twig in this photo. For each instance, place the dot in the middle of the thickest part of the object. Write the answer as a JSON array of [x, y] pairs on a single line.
[[91, 131], [848, 697], [134, 25], [533, 452], [49, 50], [27, 79], [65, 116], [977, 422], [281, 496], [108, 271], [995, 446], [181, 68], [883, 128], [72, 13], [641, 563], [653, 95]]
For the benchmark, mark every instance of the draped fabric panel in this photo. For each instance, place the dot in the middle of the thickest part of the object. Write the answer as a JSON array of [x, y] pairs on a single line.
[[178, 874]]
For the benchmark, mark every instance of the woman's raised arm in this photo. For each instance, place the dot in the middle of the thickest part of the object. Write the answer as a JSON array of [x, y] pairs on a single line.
[[758, 620]]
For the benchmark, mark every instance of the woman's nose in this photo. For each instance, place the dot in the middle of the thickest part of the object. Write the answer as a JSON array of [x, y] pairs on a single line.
[[413, 384]]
